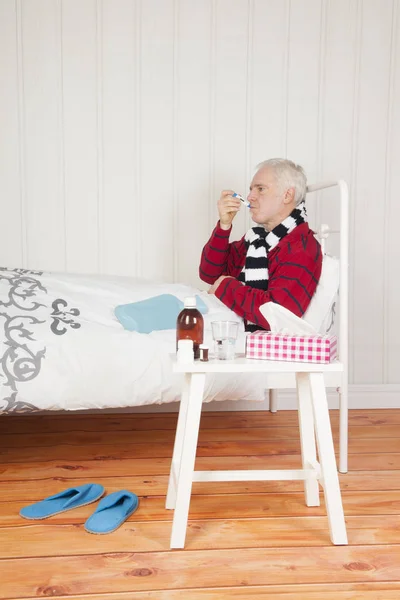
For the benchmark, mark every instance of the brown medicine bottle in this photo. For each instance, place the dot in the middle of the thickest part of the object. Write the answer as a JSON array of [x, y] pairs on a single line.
[[190, 325]]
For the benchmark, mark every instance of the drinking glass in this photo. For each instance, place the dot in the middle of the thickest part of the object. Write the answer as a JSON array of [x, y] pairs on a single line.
[[224, 335]]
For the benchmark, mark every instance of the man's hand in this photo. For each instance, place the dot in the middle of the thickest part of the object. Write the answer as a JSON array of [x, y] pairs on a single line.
[[227, 208], [216, 283]]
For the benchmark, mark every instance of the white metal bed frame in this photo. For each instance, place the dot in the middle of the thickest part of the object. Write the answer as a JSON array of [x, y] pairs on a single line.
[[338, 380]]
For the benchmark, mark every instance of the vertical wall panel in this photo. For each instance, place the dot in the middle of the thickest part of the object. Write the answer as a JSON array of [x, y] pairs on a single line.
[[120, 203], [337, 149], [392, 247], [337, 103], [42, 103], [10, 169], [231, 64], [367, 313], [304, 89], [81, 142], [269, 64], [192, 137], [157, 143]]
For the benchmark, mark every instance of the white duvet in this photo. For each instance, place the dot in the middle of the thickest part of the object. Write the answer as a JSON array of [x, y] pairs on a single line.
[[62, 348]]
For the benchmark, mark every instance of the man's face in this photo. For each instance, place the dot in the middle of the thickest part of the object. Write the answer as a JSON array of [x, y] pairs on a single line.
[[267, 202]]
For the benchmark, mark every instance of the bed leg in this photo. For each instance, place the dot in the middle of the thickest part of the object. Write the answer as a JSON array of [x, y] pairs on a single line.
[[273, 400]]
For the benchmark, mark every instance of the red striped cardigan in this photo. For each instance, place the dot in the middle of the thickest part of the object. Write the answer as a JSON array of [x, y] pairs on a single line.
[[294, 269]]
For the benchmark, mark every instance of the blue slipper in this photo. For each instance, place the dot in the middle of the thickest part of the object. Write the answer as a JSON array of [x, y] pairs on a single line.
[[66, 500], [111, 512]]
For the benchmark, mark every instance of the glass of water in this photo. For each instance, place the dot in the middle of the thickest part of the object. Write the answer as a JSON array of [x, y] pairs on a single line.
[[224, 335]]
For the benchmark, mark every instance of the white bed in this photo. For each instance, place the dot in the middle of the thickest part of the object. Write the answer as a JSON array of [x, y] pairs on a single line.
[[62, 348]]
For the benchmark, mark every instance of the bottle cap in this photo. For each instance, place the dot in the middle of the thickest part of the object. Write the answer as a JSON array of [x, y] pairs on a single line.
[[190, 302], [185, 344]]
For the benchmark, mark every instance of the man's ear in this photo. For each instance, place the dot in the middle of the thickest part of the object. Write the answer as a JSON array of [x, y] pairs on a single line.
[[289, 196]]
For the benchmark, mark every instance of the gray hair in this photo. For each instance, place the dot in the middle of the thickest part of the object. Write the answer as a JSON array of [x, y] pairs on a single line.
[[288, 175]]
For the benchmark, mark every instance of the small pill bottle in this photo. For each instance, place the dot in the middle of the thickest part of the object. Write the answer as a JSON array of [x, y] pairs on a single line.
[[185, 352], [203, 352]]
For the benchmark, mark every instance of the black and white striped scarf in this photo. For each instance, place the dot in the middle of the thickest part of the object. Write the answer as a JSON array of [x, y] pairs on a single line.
[[259, 243]]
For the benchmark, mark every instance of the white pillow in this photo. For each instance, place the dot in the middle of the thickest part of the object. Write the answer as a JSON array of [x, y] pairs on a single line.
[[321, 310]]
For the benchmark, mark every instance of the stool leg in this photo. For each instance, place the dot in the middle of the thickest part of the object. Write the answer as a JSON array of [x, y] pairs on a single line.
[[177, 454], [189, 446], [307, 437], [326, 451]]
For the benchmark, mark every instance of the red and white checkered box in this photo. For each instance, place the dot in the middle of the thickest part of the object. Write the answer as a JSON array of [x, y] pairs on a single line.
[[296, 348]]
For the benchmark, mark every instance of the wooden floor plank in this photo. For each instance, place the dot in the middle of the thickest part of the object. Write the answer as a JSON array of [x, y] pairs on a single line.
[[34, 539], [164, 449], [34, 490], [125, 572], [77, 438], [119, 436], [144, 421], [354, 591], [153, 450], [105, 465], [231, 507]]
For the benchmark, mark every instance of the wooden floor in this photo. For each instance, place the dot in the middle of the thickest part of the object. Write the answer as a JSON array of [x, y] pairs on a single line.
[[253, 540]]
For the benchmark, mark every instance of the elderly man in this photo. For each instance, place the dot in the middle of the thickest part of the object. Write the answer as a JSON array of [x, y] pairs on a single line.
[[278, 261]]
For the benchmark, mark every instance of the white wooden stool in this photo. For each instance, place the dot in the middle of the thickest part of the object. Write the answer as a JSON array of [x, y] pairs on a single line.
[[313, 422]]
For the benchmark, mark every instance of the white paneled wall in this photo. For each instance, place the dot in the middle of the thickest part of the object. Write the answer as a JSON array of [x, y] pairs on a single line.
[[121, 121], [81, 169]]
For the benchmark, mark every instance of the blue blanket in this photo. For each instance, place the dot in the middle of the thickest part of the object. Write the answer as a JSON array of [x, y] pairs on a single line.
[[153, 314]]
